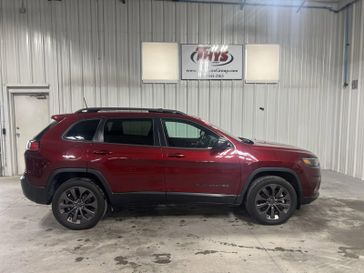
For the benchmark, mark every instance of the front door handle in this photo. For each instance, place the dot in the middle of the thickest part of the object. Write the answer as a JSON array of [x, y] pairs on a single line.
[[176, 155], [101, 152]]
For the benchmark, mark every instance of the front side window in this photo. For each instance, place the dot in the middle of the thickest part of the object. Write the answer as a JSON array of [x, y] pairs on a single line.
[[83, 130], [129, 131], [187, 135]]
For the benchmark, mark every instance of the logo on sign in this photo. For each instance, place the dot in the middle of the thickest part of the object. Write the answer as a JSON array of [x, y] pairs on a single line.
[[215, 55]]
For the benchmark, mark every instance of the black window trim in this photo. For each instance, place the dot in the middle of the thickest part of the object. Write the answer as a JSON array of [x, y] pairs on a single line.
[[156, 136], [164, 133], [76, 123]]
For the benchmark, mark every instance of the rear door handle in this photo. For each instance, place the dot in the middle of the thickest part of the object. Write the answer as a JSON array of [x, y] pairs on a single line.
[[101, 152], [176, 155]]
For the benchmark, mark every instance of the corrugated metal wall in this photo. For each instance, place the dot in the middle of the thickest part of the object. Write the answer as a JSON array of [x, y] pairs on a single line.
[[349, 149], [91, 49]]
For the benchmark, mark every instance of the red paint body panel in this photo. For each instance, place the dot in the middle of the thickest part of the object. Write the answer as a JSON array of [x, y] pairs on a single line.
[[129, 168], [201, 171], [133, 168], [55, 153]]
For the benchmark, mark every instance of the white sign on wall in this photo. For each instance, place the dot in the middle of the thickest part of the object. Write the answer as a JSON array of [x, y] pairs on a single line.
[[160, 62], [212, 62], [262, 63]]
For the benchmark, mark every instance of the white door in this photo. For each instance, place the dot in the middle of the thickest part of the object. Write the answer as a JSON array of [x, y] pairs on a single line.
[[31, 116]]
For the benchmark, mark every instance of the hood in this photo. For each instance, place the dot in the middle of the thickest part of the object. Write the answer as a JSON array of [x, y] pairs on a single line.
[[278, 146], [263, 143]]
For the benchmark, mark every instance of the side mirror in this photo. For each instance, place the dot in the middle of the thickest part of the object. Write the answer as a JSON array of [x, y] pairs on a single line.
[[221, 145]]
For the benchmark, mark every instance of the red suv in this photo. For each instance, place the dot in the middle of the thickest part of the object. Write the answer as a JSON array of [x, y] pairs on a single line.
[[99, 157]]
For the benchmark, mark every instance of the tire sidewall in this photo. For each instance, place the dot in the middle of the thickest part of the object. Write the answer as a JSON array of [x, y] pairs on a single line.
[[99, 195], [257, 186]]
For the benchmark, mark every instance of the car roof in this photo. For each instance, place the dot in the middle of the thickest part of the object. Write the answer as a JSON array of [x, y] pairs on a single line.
[[127, 109], [111, 112]]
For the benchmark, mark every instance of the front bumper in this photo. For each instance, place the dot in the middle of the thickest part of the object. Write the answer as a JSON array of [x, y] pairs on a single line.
[[311, 182], [308, 200], [36, 194]]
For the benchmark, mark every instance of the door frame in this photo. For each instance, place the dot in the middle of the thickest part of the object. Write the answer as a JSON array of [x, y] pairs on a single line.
[[13, 90]]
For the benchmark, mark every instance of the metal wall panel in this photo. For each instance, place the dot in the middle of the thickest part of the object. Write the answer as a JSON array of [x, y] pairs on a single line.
[[91, 49], [349, 127]]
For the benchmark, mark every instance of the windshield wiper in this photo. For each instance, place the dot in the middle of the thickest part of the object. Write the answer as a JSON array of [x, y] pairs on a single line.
[[246, 140]]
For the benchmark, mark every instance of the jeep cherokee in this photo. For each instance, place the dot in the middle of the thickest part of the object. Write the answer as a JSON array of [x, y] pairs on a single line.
[[96, 158]]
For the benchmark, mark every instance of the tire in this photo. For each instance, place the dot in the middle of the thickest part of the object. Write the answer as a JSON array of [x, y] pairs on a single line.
[[79, 203], [269, 209]]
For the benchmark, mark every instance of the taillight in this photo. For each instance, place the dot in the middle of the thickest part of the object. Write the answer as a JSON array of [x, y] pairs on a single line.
[[33, 145]]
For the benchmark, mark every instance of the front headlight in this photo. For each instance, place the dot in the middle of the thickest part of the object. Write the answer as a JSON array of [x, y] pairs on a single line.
[[311, 162]]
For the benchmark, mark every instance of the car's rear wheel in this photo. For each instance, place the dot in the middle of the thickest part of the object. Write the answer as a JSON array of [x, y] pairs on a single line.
[[271, 200], [79, 203]]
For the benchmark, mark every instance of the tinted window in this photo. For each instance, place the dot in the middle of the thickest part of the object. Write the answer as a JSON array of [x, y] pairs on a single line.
[[83, 130], [129, 131], [186, 135]]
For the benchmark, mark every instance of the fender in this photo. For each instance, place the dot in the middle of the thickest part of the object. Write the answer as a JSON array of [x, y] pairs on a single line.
[[240, 199], [98, 174]]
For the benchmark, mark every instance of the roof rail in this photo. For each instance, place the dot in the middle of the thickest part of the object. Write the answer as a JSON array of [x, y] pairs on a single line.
[[127, 109]]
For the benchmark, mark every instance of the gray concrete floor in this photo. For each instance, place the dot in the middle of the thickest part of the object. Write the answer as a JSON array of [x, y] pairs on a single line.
[[325, 236]]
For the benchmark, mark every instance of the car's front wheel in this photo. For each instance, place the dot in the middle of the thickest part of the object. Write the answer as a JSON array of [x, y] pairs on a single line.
[[271, 200], [78, 203]]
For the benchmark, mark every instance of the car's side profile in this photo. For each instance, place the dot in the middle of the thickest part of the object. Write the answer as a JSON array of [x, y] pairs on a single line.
[[99, 157]]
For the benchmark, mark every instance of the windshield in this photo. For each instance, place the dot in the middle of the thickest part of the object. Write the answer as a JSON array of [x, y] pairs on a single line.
[[240, 139]]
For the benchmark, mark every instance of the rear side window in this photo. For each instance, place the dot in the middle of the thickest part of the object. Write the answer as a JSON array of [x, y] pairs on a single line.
[[83, 130], [129, 131]]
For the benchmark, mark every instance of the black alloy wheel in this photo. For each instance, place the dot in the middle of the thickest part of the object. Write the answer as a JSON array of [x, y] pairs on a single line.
[[79, 204], [271, 200]]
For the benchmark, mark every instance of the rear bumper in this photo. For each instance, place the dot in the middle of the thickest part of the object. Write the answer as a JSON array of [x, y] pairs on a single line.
[[36, 194], [307, 200]]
